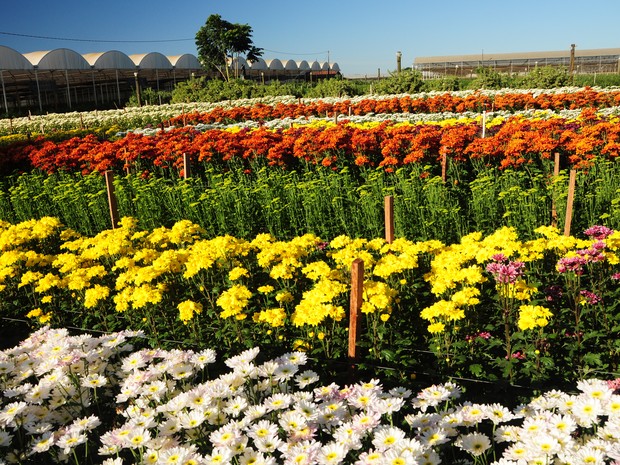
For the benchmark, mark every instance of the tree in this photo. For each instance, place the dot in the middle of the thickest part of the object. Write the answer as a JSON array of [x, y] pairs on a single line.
[[219, 41]]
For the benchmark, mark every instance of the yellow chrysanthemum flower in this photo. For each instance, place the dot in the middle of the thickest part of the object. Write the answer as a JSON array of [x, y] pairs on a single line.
[[187, 310]]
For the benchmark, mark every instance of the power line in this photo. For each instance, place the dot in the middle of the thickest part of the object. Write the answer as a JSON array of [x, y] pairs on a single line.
[[91, 40], [289, 53]]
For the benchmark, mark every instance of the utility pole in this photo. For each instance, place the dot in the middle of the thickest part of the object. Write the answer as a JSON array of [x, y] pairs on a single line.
[[572, 59]]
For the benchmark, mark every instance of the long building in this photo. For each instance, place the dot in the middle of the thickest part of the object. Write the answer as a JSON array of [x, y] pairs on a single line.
[[62, 79], [603, 60]]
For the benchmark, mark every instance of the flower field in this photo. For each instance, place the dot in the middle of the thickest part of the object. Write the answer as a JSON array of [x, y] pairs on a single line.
[[247, 251]]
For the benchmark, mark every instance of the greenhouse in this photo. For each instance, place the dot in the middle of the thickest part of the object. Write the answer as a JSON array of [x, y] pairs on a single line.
[[63, 79]]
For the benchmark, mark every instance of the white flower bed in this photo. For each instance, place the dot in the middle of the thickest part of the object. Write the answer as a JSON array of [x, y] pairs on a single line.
[[83, 399]]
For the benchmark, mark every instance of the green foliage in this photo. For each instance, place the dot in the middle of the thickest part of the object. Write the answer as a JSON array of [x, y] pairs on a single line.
[[446, 84], [150, 96], [408, 81], [331, 88], [219, 40], [545, 77], [488, 78]]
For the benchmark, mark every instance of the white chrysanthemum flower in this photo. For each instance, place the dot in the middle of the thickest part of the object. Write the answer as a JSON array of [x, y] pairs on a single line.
[[285, 371], [94, 380], [432, 396], [154, 390], [518, 452], [246, 356], [292, 421], [203, 358], [331, 454], [388, 405], [113, 461], [12, 410], [295, 358], [177, 455], [151, 457], [70, 440], [400, 391], [498, 413], [423, 420], [254, 412], [269, 444], [386, 437], [191, 419], [595, 388], [219, 456], [429, 457], [263, 429], [532, 426], [42, 444], [588, 456], [561, 425], [278, 401], [363, 421], [586, 411], [612, 406], [182, 370], [224, 437], [138, 437], [370, 457], [86, 423], [301, 453], [235, 406], [474, 443], [306, 378], [544, 444], [348, 436], [135, 361], [434, 436]]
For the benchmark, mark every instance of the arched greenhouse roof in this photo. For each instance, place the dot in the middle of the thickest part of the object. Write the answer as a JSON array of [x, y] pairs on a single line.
[[58, 59], [12, 60], [259, 64], [186, 61], [112, 59], [274, 64], [290, 65], [153, 60]]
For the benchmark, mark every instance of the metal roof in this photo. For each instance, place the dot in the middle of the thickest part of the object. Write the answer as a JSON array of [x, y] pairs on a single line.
[[484, 56]]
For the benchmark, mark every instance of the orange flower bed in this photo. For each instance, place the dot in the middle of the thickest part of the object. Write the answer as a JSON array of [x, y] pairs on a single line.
[[515, 142]]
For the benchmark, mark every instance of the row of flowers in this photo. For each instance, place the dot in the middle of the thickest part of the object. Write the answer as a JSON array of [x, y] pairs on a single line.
[[508, 142], [288, 106], [442, 103], [532, 296], [99, 400]]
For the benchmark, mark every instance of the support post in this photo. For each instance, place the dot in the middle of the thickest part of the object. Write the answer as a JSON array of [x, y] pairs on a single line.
[[357, 288], [109, 181], [569, 202], [444, 167], [186, 166], [389, 218], [556, 173]]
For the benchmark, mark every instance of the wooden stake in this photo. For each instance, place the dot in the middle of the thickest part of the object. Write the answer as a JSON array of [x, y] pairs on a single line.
[[444, 167], [556, 173], [186, 166], [389, 219], [569, 202], [109, 181], [357, 288]]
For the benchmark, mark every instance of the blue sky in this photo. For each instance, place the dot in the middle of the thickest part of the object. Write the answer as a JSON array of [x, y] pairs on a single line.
[[362, 36]]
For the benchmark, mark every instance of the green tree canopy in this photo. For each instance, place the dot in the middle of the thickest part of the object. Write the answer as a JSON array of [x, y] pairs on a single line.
[[218, 41]]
